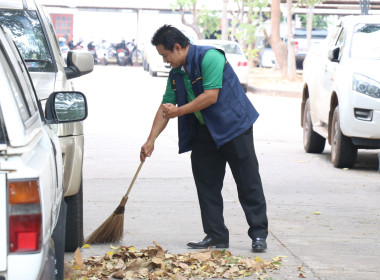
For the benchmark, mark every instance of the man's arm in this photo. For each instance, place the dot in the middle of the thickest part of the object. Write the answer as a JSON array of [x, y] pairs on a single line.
[[158, 126], [202, 101], [212, 76]]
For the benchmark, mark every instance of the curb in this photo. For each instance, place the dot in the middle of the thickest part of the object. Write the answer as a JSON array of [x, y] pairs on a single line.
[[274, 92]]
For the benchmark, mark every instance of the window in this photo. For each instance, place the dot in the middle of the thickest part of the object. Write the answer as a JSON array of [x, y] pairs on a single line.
[[366, 41], [26, 31], [2, 130], [25, 102]]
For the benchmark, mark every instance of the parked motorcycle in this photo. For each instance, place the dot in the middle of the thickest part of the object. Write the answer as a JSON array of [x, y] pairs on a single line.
[[123, 54], [91, 49], [114, 53], [135, 52]]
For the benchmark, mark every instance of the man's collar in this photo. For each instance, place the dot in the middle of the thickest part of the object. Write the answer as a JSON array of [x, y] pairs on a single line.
[[189, 57]]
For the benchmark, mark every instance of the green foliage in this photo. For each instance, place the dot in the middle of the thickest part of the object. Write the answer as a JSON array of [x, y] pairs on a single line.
[[185, 3], [310, 2], [208, 21], [247, 30], [319, 21]]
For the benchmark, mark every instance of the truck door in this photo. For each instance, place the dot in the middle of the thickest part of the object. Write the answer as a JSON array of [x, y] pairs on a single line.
[[337, 40]]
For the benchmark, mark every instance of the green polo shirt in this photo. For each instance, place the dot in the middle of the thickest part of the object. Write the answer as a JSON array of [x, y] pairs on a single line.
[[212, 77]]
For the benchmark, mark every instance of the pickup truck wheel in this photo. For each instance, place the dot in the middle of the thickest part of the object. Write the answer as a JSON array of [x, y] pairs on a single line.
[[74, 221], [312, 141], [343, 152]]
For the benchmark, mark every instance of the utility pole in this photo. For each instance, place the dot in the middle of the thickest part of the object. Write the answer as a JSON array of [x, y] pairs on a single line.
[[364, 6]]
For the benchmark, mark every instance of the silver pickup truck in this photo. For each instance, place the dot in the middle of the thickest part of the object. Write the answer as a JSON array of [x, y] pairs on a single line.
[[32, 208], [33, 33]]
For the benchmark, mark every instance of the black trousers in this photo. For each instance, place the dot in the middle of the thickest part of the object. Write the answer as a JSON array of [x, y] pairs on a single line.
[[209, 167]]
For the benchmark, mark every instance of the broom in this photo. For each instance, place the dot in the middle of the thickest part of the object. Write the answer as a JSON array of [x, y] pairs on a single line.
[[112, 229]]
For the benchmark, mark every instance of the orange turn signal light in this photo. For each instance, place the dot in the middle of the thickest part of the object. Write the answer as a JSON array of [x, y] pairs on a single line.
[[23, 192]]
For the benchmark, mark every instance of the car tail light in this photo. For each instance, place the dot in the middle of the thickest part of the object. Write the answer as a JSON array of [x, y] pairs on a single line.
[[242, 63], [25, 221], [295, 46]]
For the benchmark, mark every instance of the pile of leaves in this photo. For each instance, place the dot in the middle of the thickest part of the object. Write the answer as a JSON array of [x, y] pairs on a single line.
[[154, 263]]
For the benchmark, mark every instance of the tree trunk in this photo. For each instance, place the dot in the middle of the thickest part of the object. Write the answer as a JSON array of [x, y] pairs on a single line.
[[309, 25], [193, 25], [225, 21], [291, 54], [277, 45]]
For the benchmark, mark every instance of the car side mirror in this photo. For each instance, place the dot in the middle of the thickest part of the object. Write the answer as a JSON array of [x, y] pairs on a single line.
[[63, 107], [79, 63], [333, 54]]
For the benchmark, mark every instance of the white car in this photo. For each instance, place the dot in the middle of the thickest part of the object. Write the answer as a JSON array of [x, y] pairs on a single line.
[[234, 55], [341, 95], [267, 57], [153, 62], [32, 208], [33, 33]]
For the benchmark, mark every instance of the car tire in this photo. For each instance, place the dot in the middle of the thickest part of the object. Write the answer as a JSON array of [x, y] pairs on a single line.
[[343, 151], [245, 87], [152, 73], [144, 64], [312, 141], [74, 221]]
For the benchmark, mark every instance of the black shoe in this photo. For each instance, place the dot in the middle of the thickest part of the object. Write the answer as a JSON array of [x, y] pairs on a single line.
[[206, 243], [259, 244]]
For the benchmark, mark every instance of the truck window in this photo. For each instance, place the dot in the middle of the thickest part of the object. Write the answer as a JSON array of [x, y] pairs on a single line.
[[26, 30], [2, 129], [366, 42], [23, 97]]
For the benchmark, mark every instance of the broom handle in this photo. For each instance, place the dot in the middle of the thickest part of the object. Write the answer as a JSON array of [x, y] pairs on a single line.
[[125, 197]]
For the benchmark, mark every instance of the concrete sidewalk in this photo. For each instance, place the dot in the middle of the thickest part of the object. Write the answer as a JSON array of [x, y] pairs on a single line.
[[268, 81], [163, 207], [343, 242]]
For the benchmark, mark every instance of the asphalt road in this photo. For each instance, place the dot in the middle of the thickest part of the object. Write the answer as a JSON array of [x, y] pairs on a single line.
[[342, 242]]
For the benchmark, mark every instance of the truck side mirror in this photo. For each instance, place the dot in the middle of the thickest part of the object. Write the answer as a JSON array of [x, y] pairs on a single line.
[[63, 107], [333, 54], [79, 63]]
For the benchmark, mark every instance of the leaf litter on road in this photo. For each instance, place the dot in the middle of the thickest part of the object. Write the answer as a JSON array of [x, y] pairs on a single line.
[[154, 263]]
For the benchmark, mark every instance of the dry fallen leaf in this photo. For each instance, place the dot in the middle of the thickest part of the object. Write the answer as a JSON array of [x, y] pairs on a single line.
[[301, 276], [154, 263], [78, 259], [86, 246]]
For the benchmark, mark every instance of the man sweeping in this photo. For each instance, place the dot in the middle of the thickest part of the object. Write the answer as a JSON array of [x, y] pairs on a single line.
[[215, 120]]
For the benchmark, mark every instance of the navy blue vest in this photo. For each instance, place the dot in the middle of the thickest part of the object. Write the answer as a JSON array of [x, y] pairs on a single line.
[[229, 117]]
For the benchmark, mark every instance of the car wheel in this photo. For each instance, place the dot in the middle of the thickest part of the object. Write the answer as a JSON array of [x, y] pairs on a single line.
[[74, 221], [312, 141], [343, 152], [144, 64], [245, 87], [152, 73]]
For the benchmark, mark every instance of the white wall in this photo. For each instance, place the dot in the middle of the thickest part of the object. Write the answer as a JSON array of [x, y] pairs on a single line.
[[115, 25]]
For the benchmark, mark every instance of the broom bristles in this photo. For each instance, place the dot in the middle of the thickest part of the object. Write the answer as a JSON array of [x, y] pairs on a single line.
[[111, 230]]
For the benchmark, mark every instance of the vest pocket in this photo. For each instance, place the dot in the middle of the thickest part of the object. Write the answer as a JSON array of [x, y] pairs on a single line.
[[197, 85]]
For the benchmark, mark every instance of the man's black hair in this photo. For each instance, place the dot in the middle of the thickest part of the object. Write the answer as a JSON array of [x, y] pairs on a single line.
[[167, 36]]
